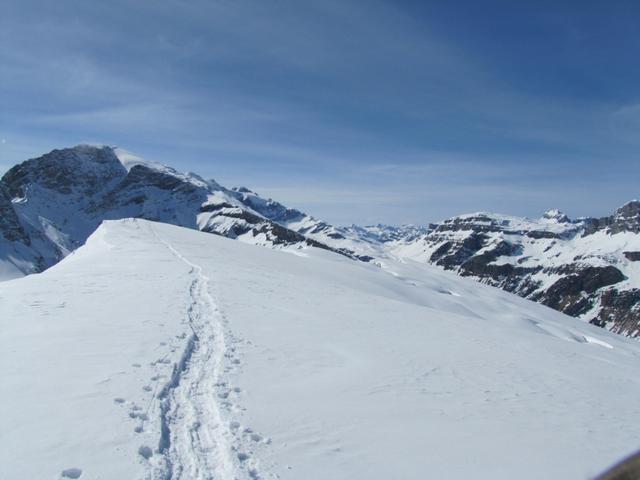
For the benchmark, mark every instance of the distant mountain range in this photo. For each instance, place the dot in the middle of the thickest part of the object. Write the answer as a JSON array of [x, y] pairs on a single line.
[[588, 268]]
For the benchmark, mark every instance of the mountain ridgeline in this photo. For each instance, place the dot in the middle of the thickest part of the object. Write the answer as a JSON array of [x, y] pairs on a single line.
[[51, 204], [588, 268]]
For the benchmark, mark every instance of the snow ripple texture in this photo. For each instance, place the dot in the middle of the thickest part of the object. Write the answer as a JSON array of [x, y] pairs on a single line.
[[198, 441]]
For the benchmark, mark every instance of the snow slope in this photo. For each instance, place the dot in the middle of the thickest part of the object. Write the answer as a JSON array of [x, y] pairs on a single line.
[[161, 352]]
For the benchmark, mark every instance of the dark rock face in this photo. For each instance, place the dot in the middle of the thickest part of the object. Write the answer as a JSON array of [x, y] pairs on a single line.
[[587, 279], [84, 169], [538, 234], [478, 223], [483, 263], [10, 227], [620, 310], [567, 294], [632, 256], [451, 254], [143, 176], [154, 195]]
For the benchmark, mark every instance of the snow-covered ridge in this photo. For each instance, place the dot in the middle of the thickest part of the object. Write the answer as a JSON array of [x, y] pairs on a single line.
[[129, 161], [587, 267], [221, 358], [51, 204]]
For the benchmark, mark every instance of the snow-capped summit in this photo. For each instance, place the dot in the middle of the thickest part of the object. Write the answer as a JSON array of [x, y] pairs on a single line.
[[556, 216]]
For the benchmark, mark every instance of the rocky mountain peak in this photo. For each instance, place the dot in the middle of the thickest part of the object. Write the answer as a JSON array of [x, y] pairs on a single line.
[[624, 219], [10, 227], [83, 169], [629, 210], [555, 215]]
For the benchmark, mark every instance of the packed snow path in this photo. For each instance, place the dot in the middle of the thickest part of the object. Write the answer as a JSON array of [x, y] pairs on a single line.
[[195, 439], [179, 354]]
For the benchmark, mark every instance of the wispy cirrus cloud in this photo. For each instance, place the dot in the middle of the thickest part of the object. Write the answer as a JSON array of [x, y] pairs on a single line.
[[393, 101]]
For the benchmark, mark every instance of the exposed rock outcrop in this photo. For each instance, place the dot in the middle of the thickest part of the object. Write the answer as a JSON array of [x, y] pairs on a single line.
[[582, 268]]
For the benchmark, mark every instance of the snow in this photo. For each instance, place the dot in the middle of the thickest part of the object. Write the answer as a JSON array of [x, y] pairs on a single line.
[[9, 271], [156, 351], [130, 160]]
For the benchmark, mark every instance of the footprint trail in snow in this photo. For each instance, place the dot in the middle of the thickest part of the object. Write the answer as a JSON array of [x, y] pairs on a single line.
[[199, 440]]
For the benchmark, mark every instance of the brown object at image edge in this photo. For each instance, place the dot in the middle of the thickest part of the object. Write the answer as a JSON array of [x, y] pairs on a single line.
[[626, 469]]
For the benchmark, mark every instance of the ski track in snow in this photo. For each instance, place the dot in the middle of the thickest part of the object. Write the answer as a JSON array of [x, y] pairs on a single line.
[[198, 440], [123, 365]]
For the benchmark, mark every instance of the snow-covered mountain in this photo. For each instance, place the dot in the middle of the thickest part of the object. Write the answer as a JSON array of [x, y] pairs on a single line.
[[588, 268], [348, 241], [160, 352], [381, 233], [51, 204]]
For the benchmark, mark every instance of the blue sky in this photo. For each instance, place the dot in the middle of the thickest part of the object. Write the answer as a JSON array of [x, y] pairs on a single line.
[[355, 111]]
